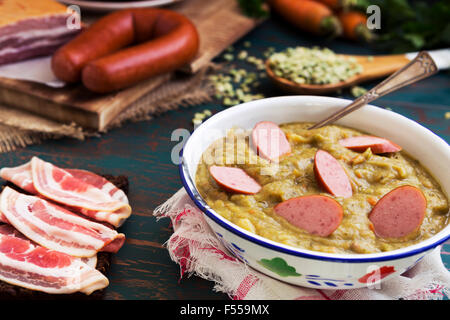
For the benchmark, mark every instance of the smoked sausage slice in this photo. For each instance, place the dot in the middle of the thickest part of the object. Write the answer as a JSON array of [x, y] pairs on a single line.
[[156, 40], [331, 176], [234, 180], [270, 141], [376, 144], [317, 214], [399, 212]]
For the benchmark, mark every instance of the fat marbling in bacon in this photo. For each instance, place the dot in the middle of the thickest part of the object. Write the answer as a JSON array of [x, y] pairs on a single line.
[[56, 228], [26, 264], [81, 190]]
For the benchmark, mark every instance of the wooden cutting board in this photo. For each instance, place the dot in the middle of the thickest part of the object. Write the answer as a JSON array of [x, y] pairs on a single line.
[[219, 22]]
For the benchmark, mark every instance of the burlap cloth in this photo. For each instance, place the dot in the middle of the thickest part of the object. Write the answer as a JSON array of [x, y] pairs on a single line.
[[20, 128]]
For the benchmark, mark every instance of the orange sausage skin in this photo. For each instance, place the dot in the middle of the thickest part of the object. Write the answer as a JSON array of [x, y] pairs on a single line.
[[156, 40], [107, 35]]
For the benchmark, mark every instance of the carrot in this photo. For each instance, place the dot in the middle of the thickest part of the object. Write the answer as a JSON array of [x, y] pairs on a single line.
[[372, 201], [354, 24], [337, 4], [309, 16]]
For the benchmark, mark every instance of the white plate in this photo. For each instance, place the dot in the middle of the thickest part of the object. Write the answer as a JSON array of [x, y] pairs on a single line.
[[117, 5]]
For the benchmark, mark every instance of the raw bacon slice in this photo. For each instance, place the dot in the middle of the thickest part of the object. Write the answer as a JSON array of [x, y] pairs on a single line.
[[81, 190], [99, 182], [32, 28], [60, 186], [3, 218], [20, 176], [25, 264], [56, 228], [9, 230]]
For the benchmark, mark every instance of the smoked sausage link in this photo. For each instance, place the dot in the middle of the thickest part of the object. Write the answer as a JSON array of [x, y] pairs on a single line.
[[398, 213], [126, 47], [107, 35], [317, 214]]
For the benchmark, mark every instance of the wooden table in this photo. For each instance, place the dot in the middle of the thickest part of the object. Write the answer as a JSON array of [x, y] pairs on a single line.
[[142, 269]]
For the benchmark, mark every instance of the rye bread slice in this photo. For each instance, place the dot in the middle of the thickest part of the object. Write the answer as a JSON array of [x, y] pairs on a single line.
[[104, 260]]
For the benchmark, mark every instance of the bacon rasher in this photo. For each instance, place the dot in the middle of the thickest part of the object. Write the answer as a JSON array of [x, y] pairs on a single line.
[[81, 190], [26, 264], [56, 228]]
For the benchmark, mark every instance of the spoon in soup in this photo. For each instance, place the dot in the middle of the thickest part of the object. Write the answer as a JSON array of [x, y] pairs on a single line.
[[421, 67]]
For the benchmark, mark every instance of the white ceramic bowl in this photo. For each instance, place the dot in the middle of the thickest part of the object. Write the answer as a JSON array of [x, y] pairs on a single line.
[[305, 267]]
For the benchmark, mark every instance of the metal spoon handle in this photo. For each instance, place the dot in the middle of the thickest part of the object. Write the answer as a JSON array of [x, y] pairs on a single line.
[[419, 68]]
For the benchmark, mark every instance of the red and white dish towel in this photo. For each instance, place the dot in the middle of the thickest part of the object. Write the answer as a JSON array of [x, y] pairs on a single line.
[[194, 246]]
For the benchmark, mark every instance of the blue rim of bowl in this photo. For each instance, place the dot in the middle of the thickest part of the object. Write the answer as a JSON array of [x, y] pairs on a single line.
[[200, 203]]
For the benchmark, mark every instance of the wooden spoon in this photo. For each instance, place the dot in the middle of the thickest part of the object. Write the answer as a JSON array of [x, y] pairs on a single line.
[[373, 68]]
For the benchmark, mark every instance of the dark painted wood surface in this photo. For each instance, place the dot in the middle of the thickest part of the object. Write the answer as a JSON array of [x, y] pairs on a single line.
[[142, 269]]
